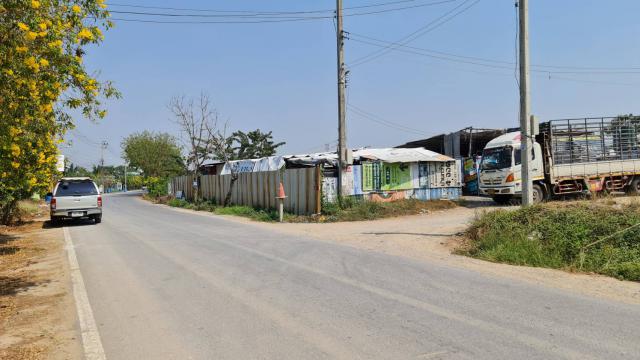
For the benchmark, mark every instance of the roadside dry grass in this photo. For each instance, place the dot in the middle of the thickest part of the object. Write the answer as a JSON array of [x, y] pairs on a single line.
[[351, 210], [37, 314]]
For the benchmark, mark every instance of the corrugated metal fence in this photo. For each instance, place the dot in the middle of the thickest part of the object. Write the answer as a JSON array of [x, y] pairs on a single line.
[[259, 189]]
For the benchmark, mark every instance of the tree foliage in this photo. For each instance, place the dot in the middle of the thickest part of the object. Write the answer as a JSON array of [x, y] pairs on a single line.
[[42, 79], [253, 144], [156, 154]]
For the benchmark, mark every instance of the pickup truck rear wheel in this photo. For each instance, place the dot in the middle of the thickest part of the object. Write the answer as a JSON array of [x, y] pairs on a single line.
[[97, 219]]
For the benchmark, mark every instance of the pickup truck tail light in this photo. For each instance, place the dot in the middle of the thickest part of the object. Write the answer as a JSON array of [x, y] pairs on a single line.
[[53, 203], [99, 201]]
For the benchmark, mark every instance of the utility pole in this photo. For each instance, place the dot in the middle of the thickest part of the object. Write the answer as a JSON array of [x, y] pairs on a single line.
[[525, 126], [103, 147], [342, 80], [125, 177]]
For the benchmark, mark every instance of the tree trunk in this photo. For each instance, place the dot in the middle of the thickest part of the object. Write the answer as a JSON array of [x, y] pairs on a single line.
[[227, 199], [7, 211]]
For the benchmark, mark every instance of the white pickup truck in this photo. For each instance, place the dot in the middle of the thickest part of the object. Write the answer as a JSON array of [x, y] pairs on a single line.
[[75, 198]]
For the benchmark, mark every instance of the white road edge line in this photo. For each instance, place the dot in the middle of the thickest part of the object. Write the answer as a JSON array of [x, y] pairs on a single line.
[[90, 337]]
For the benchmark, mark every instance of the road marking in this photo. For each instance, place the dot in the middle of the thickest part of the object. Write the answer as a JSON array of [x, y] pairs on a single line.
[[90, 337]]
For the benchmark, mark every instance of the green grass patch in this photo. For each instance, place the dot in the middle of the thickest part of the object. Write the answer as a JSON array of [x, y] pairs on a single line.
[[561, 236], [352, 209], [243, 211], [346, 210]]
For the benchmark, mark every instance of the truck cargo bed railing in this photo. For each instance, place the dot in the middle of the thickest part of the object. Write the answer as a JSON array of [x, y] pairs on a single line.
[[587, 140]]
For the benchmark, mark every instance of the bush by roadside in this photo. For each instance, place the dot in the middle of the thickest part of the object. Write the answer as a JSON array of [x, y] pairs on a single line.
[[243, 211], [350, 209], [585, 236], [346, 210]]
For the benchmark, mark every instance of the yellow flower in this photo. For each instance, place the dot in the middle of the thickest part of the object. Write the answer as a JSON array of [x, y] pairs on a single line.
[[21, 49], [41, 158], [54, 44], [33, 181], [32, 63], [42, 26], [44, 62], [76, 9], [15, 150], [9, 72], [13, 131], [23, 26], [99, 32], [101, 4], [85, 34], [42, 33], [15, 164], [35, 4], [46, 108], [31, 35], [79, 77]]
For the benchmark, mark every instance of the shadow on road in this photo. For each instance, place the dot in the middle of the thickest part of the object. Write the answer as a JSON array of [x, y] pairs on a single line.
[[79, 222]]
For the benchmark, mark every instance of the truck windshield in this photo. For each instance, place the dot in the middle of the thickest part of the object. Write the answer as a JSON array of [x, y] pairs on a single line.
[[497, 158], [76, 188]]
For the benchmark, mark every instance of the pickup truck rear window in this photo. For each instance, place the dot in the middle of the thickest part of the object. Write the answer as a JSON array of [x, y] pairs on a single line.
[[76, 188]]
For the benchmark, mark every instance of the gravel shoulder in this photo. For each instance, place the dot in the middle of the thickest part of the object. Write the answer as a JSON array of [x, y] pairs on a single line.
[[434, 236], [37, 310]]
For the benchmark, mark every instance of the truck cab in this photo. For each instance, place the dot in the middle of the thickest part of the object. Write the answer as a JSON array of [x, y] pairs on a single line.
[[500, 169]]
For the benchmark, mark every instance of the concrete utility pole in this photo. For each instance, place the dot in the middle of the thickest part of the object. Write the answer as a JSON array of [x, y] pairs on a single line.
[[125, 177], [103, 147], [525, 126], [342, 136]]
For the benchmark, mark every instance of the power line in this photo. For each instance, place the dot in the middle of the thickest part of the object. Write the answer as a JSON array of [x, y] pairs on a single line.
[[375, 118], [253, 18], [489, 62], [432, 25], [262, 13]]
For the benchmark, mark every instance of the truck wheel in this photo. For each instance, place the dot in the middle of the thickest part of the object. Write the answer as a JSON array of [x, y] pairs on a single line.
[[54, 222], [538, 194], [634, 187], [97, 219]]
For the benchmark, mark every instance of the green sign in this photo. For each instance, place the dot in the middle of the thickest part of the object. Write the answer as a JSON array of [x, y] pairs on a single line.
[[396, 176], [370, 176]]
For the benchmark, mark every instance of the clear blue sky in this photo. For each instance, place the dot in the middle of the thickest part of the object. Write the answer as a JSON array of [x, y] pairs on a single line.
[[282, 76]]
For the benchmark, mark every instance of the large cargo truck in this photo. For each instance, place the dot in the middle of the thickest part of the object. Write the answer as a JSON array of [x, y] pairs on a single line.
[[568, 157]]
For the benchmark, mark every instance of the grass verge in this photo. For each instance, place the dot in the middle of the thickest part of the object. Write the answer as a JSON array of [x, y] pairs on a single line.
[[346, 210], [584, 236]]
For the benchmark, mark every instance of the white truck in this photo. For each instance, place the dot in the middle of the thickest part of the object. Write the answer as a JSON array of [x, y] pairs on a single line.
[[569, 157]]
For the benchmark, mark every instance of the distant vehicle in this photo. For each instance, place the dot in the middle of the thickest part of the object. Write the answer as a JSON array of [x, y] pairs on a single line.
[[75, 198], [575, 156], [144, 188]]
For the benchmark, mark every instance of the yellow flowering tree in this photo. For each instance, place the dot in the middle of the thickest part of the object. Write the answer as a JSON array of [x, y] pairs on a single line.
[[43, 81]]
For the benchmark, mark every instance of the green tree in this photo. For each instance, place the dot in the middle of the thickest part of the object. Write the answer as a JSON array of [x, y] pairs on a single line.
[[253, 144], [42, 78], [156, 154], [74, 170]]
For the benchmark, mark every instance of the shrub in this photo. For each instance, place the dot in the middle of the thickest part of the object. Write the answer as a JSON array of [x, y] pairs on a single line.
[[576, 236]]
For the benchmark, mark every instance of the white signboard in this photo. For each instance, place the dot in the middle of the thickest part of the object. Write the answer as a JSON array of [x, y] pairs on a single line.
[[60, 163]]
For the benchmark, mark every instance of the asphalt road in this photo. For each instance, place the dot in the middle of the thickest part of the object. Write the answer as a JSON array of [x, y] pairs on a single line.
[[170, 285]]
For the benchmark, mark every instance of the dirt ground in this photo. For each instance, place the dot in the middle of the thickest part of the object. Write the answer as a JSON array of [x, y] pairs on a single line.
[[435, 235], [37, 311]]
